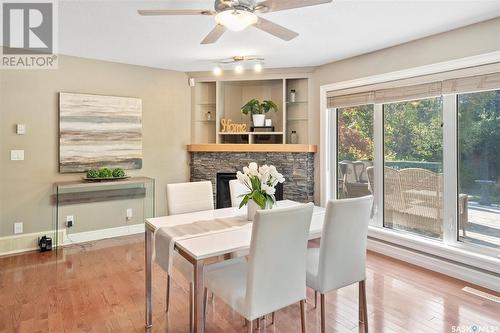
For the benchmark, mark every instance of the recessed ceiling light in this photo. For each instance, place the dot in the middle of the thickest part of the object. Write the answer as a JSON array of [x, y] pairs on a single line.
[[257, 67], [217, 70], [236, 19], [239, 69]]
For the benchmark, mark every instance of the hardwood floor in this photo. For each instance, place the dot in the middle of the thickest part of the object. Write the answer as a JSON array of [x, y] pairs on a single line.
[[99, 287]]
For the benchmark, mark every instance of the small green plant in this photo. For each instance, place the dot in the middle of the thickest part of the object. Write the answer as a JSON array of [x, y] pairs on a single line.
[[105, 173], [254, 106], [93, 173], [118, 172]]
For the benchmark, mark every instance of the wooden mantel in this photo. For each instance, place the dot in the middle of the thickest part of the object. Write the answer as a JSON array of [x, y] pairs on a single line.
[[255, 148]]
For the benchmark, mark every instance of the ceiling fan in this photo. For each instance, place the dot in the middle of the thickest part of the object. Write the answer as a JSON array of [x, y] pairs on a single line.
[[236, 59], [236, 15]]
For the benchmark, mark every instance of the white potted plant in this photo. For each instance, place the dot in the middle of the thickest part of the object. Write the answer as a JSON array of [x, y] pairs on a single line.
[[261, 183], [258, 110]]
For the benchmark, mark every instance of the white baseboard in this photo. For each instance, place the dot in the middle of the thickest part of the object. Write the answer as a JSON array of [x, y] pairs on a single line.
[[25, 242], [440, 265], [89, 236], [29, 242]]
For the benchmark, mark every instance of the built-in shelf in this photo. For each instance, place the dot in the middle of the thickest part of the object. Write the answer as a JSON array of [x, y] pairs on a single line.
[[223, 100], [250, 133], [261, 147]]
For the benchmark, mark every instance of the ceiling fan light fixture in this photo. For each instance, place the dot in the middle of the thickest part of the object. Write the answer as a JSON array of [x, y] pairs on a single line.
[[236, 19]]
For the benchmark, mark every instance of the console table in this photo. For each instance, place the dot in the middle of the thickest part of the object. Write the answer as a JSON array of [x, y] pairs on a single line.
[[81, 192]]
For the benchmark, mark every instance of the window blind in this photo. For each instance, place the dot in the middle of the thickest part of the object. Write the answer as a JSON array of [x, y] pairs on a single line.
[[472, 84], [426, 86], [351, 100], [408, 93]]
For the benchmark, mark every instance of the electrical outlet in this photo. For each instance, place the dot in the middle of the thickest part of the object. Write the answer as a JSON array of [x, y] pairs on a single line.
[[70, 221], [129, 213], [18, 227]]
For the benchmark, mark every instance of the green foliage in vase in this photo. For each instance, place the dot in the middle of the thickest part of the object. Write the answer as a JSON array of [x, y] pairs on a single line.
[[118, 172], [254, 106], [261, 184]]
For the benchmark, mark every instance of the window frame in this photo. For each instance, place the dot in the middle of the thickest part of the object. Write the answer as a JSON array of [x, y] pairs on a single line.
[[450, 247]]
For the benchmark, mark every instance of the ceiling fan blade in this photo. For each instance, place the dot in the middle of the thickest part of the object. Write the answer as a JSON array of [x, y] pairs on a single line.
[[155, 12], [214, 35], [277, 5], [275, 29]]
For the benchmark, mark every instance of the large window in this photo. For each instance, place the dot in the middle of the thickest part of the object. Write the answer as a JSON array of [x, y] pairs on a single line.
[[413, 166], [479, 168], [355, 151], [429, 152]]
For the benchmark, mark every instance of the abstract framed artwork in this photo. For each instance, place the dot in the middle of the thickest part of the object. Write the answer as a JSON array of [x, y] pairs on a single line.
[[99, 131]]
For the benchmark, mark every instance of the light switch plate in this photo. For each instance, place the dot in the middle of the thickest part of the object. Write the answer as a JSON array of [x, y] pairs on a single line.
[[21, 129], [18, 228], [129, 213], [17, 155]]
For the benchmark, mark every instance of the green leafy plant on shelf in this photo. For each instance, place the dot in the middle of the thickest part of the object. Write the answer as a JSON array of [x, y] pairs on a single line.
[[105, 173], [254, 106]]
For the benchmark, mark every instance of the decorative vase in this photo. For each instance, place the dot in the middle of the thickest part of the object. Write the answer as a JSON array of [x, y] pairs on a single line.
[[252, 208], [258, 119]]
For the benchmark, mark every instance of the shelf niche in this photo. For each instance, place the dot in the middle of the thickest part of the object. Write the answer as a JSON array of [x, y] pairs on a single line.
[[224, 99], [203, 101], [297, 112]]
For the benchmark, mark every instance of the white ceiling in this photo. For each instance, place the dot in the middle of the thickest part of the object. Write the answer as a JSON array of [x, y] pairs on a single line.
[[112, 30]]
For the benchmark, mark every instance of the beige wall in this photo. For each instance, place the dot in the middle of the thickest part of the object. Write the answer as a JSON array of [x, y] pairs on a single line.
[[31, 97], [472, 40]]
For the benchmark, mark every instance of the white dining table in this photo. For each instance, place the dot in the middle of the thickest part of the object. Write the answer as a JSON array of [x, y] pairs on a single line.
[[198, 249]]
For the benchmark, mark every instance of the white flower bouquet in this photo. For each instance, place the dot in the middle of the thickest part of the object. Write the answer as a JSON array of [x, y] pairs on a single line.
[[261, 183]]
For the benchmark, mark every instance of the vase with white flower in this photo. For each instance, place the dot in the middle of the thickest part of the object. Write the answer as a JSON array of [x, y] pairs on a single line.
[[261, 183]]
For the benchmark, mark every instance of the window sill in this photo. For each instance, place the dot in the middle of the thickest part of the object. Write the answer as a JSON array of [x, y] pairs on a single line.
[[436, 248]]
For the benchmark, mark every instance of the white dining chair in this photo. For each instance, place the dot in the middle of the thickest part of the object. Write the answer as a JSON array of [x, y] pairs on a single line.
[[237, 189], [187, 198], [341, 258], [275, 275]]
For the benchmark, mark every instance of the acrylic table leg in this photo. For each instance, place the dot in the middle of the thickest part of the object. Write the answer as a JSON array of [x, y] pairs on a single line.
[[198, 297], [148, 253]]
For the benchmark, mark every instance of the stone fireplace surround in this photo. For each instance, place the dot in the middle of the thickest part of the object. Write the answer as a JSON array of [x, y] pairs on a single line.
[[296, 167]]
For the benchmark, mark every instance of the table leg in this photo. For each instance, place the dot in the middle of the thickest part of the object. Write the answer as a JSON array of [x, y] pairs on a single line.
[[148, 253], [198, 297]]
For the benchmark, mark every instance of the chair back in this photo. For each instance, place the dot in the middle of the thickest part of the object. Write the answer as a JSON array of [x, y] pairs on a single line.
[[393, 191], [276, 275], [237, 189], [189, 197], [342, 256], [348, 174]]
